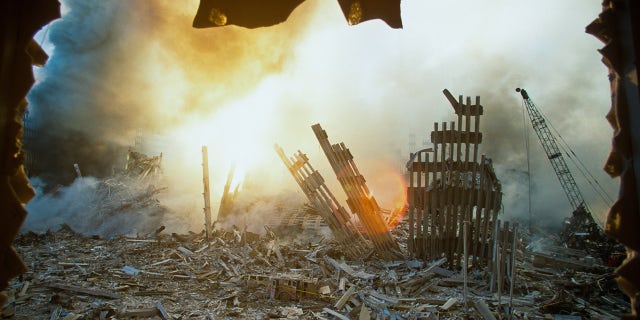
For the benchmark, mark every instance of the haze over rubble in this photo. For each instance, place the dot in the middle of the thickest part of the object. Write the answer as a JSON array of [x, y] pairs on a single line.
[[123, 67]]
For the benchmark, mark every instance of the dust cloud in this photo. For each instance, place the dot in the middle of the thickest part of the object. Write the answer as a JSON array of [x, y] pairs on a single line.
[[125, 69]]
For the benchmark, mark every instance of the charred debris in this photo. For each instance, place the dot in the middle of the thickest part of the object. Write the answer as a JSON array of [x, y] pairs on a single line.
[[446, 255]]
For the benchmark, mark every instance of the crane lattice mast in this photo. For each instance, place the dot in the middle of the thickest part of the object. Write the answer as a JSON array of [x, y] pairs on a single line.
[[550, 146]]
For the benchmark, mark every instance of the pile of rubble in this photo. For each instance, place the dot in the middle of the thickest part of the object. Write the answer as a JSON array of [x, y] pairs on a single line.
[[448, 257], [239, 274], [125, 201]]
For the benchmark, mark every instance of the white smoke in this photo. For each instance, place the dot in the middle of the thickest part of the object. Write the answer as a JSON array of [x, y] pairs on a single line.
[[122, 66]]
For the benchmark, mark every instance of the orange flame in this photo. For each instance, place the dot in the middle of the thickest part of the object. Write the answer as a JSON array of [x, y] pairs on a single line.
[[390, 188]]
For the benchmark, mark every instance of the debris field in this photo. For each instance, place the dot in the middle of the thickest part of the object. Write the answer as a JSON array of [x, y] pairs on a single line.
[[446, 255], [240, 275]]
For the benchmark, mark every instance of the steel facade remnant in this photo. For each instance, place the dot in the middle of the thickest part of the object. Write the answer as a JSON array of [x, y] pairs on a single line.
[[325, 203], [206, 193], [371, 220], [447, 186], [359, 200], [228, 197]]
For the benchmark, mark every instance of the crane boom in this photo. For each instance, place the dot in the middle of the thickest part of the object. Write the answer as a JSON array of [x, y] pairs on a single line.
[[548, 141], [581, 226]]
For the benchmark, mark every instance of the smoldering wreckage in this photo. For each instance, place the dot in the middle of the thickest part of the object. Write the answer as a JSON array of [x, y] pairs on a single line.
[[447, 254]]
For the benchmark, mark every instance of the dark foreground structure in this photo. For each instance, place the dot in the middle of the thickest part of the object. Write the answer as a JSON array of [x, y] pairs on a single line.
[[618, 26]]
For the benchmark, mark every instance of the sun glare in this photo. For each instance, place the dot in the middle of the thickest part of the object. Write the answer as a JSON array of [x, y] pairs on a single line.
[[238, 133]]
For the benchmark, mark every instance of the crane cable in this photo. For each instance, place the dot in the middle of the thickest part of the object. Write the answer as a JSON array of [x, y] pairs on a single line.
[[593, 182], [564, 145], [574, 157]]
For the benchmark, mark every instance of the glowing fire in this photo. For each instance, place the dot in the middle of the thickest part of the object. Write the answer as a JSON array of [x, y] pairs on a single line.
[[390, 189], [236, 134]]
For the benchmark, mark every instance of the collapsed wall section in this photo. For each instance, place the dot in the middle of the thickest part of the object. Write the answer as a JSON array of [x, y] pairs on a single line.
[[325, 203], [359, 198], [369, 232]]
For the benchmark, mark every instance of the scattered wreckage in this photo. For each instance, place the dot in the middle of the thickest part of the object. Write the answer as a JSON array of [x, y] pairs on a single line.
[[185, 276], [449, 256]]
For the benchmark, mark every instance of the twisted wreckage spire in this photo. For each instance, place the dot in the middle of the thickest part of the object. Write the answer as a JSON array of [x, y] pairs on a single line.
[[449, 186], [361, 203]]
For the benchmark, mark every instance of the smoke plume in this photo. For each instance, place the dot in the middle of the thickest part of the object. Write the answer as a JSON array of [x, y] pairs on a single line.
[[121, 68]]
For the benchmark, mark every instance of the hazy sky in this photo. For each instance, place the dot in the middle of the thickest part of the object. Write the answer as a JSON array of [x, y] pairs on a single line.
[[121, 67]]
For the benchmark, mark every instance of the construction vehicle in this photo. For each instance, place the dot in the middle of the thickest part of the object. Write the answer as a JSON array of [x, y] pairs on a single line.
[[581, 226]]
